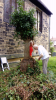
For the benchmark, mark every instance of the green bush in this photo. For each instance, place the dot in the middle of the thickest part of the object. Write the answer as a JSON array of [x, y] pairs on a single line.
[[51, 50], [34, 70], [24, 22], [51, 47]]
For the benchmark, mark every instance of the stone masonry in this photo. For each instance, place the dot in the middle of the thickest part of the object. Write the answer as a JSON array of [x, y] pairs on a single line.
[[9, 45], [41, 38]]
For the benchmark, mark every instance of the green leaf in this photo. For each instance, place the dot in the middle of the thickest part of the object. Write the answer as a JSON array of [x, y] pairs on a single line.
[[11, 98]]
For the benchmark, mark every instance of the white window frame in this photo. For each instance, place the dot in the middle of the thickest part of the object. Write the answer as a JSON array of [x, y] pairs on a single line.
[[39, 21]]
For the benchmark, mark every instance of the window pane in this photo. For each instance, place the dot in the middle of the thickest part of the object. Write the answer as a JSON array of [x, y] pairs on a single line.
[[39, 21], [13, 5], [7, 10], [9, 6]]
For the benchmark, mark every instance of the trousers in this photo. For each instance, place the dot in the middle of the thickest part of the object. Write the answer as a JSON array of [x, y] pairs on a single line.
[[45, 62]]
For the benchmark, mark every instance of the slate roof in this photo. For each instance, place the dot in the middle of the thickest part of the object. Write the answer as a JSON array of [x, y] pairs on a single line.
[[41, 5]]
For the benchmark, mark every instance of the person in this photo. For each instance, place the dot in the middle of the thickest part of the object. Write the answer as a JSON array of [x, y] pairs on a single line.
[[31, 48], [43, 54]]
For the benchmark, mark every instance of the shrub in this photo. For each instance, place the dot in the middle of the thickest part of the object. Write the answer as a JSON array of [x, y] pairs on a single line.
[[51, 47], [24, 22]]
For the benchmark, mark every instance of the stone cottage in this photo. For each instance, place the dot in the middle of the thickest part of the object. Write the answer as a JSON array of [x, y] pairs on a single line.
[[12, 48]]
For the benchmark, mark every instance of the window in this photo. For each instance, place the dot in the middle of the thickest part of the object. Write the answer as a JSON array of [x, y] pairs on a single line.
[[39, 21], [9, 6], [13, 5]]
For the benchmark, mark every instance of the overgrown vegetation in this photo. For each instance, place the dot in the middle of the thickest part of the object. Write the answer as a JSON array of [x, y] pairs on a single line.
[[34, 70], [24, 22], [34, 83]]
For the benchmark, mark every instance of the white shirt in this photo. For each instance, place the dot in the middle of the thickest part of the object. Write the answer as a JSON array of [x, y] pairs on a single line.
[[43, 51]]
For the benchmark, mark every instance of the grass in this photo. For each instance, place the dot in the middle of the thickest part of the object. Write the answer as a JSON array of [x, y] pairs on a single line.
[[51, 68], [51, 64], [13, 77]]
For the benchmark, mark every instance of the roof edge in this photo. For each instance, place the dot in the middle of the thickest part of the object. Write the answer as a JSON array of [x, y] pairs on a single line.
[[41, 5]]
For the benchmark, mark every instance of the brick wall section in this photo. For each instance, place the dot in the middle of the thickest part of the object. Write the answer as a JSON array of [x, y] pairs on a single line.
[[29, 5], [8, 45]]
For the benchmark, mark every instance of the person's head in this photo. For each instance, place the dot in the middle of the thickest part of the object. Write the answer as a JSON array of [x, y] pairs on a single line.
[[35, 46], [31, 43]]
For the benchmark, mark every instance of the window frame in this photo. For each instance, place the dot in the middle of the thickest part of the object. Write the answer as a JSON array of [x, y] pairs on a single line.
[[8, 11], [39, 21]]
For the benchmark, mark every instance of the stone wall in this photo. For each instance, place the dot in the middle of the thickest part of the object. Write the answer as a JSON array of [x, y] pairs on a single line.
[[41, 38], [9, 45]]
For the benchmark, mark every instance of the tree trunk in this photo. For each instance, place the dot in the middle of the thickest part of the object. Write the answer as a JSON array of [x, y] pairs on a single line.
[[27, 61], [26, 49]]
